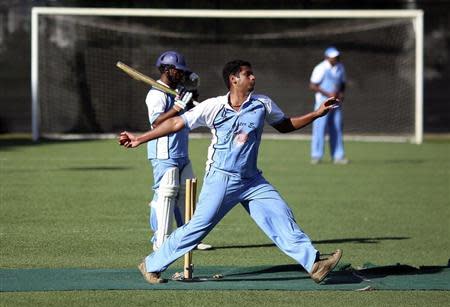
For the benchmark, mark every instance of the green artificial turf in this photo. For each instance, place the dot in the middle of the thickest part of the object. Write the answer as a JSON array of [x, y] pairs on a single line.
[[83, 204], [281, 277]]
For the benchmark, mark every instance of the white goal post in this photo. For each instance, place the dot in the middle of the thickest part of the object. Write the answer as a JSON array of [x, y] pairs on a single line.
[[415, 16]]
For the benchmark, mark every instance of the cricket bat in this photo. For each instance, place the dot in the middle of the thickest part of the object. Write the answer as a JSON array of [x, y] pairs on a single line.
[[133, 73]]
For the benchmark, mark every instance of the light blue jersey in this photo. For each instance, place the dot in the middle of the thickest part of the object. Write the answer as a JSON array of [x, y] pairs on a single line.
[[174, 145], [164, 154], [232, 177], [236, 134]]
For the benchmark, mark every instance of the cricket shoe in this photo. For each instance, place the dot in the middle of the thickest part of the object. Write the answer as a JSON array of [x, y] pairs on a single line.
[[322, 267], [150, 277], [341, 161], [203, 247]]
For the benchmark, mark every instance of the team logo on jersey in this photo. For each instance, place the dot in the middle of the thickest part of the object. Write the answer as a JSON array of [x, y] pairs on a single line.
[[251, 125]]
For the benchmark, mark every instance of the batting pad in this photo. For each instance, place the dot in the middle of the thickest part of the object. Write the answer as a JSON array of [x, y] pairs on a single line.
[[282, 277]]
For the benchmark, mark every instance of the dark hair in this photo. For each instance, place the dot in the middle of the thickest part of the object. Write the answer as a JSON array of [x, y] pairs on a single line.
[[233, 68]]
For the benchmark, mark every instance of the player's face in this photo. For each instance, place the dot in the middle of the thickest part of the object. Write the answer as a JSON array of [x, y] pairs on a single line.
[[175, 76], [246, 79], [333, 61]]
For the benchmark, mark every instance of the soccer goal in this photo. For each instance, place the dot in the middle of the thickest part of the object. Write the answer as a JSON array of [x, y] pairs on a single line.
[[77, 89]]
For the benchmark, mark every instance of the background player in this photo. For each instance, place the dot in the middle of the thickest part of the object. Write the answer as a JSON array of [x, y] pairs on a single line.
[[168, 155], [328, 80], [232, 176]]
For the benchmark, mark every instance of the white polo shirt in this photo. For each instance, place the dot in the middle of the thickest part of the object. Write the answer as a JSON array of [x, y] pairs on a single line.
[[329, 78]]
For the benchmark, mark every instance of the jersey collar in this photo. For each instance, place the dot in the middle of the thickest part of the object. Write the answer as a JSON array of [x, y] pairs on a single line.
[[227, 97]]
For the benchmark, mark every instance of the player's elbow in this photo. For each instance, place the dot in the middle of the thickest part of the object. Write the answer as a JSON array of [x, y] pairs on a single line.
[[177, 123], [285, 126]]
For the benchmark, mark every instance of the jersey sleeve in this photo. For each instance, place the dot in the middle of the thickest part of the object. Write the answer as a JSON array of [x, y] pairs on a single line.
[[317, 74], [274, 115], [202, 115], [156, 104]]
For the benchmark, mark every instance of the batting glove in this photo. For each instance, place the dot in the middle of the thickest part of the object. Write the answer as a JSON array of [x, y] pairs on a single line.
[[182, 99]]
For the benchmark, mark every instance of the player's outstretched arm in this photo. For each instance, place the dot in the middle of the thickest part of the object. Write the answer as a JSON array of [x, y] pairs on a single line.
[[298, 122], [171, 125]]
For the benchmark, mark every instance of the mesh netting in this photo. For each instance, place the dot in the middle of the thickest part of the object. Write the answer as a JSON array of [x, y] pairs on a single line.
[[81, 90]]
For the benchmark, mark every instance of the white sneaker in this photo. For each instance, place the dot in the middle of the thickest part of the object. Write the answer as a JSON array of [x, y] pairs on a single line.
[[341, 161], [315, 161], [203, 246]]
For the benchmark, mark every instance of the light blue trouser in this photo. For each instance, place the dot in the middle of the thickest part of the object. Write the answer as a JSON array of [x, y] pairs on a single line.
[[331, 123], [220, 193], [160, 167]]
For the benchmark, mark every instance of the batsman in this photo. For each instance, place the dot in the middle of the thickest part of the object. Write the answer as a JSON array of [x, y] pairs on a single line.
[[169, 155]]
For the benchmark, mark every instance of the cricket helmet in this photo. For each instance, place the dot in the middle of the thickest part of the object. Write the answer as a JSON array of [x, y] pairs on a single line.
[[172, 58]]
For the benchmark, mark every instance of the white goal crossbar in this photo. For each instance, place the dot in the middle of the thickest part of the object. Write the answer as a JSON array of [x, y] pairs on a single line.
[[415, 15]]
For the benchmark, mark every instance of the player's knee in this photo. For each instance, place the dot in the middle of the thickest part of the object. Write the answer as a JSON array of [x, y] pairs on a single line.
[[170, 183], [169, 191]]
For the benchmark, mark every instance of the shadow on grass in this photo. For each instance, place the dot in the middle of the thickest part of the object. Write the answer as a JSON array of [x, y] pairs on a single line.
[[343, 274], [361, 240], [96, 168], [351, 275], [343, 240], [270, 270], [391, 161], [17, 142]]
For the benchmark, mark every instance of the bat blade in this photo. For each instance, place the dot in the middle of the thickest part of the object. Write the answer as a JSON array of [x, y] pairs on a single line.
[[146, 79]]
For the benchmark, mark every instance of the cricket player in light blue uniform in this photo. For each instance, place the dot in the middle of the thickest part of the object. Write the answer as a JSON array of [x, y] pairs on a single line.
[[328, 80], [168, 155], [236, 121]]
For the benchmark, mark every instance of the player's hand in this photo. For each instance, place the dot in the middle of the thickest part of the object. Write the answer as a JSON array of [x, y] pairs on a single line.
[[182, 99], [327, 105], [128, 140], [332, 102]]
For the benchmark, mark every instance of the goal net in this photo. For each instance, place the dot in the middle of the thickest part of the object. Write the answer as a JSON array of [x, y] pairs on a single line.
[[77, 88]]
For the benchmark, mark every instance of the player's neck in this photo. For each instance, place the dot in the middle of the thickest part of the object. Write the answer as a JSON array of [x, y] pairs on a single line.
[[237, 98]]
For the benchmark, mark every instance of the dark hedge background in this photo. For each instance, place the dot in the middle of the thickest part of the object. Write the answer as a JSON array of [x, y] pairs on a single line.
[[15, 96]]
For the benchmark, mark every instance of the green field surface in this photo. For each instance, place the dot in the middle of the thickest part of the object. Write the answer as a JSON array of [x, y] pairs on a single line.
[[84, 204]]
